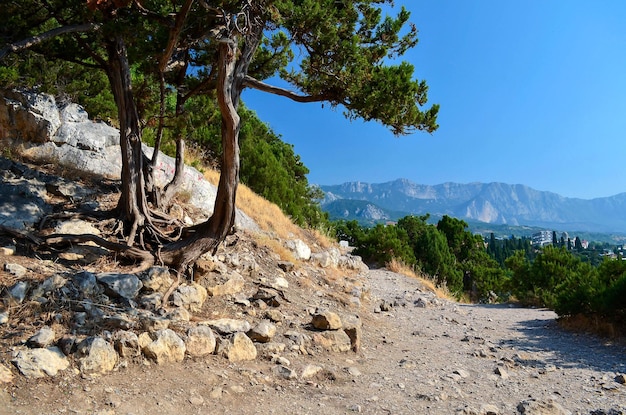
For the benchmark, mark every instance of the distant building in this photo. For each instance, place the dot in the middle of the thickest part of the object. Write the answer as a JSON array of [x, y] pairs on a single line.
[[542, 238]]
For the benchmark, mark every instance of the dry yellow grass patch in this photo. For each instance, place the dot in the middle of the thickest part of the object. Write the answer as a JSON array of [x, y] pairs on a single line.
[[269, 217], [401, 268]]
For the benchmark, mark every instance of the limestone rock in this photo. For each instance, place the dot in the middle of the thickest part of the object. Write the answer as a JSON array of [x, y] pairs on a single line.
[[191, 296], [352, 326], [126, 343], [168, 347], [76, 227], [300, 250], [200, 341], [86, 283], [326, 320], [96, 355], [262, 332], [37, 363], [535, 407], [239, 348], [233, 285], [333, 340], [310, 371], [156, 279], [43, 338], [284, 372], [15, 269], [228, 325], [8, 250], [120, 285], [49, 285]]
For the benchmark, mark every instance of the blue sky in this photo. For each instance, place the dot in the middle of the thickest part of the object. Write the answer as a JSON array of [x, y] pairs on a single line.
[[532, 92]]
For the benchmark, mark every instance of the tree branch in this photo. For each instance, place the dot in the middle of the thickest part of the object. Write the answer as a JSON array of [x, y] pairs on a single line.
[[262, 86], [37, 39]]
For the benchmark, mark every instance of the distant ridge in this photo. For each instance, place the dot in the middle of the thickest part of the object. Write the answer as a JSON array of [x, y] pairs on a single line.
[[491, 203]]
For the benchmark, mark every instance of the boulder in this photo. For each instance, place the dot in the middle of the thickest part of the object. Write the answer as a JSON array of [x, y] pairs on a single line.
[[200, 341], [156, 279], [38, 363], [120, 285], [190, 296], [333, 340], [227, 325], [326, 320], [238, 348], [301, 251], [232, 286], [96, 355], [126, 343], [167, 347], [262, 332]]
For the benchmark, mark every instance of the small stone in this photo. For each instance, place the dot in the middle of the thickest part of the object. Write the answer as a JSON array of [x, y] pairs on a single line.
[[501, 372], [190, 296], [196, 400], [17, 293], [239, 348], [621, 378], [262, 332], [5, 374], [284, 372], [43, 338], [234, 285], [462, 373], [274, 315], [228, 325], [15, 269], [326, 320], [488, 409], [216, 393], [310, 370], [126, 343]]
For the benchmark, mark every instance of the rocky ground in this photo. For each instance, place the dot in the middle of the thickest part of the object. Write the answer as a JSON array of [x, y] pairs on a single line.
[[269, 324], [419, 354]]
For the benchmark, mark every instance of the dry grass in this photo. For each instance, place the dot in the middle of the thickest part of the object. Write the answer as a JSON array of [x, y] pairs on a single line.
[[401, 268], [269, 217], [593, 324]]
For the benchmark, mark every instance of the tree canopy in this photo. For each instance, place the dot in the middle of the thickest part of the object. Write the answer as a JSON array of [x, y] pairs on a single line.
[[341, 52]]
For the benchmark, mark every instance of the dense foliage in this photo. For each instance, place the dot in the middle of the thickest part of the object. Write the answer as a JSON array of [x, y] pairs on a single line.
[[565, 280]]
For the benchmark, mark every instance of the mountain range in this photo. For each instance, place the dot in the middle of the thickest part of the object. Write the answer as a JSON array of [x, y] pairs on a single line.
[[486, 203]]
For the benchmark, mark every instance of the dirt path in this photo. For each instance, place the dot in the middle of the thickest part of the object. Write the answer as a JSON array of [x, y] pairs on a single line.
[[421, 356]]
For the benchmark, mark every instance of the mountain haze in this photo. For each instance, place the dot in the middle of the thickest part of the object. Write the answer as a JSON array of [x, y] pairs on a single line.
[[493, 203]]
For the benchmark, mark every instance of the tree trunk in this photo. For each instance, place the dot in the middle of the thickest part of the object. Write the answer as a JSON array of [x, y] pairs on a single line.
[[133, 205], [208, 235]]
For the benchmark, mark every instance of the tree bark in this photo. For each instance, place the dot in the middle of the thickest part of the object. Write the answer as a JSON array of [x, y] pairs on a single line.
[[133, 205], [208, 235]]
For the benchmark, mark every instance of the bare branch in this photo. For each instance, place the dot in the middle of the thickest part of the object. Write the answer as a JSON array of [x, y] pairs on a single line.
[[37, 39], [262, 86]]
